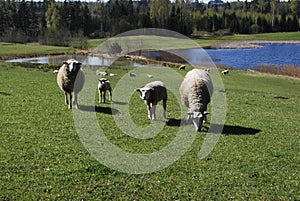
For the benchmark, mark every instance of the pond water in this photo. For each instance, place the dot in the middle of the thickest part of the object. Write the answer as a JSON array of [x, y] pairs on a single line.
[[275, 54]]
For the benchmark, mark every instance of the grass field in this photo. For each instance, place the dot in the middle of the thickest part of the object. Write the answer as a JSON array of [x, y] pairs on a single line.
[[42, 157], [15, 50], [206, 41]]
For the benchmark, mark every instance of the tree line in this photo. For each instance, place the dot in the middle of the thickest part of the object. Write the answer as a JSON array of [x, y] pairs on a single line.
[[58, 23]]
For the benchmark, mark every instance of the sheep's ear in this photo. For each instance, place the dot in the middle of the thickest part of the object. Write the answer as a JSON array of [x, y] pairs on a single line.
[[138, 90], [65, 62]]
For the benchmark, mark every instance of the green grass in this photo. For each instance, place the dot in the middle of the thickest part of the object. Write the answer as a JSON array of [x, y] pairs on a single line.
[[17, 50], [42, 157], [206, 41]]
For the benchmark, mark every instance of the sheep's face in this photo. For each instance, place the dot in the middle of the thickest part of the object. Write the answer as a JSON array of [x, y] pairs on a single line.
[[72, 65], [198, 118], [145, 92]]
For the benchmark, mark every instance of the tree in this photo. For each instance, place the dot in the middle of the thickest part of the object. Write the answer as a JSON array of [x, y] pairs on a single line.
[[295, 7], [53, 17], [159, 13]]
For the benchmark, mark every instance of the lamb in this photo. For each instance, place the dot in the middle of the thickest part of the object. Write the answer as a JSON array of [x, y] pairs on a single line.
[[103, 86], [196, 90], [70, 78], [152, 93]]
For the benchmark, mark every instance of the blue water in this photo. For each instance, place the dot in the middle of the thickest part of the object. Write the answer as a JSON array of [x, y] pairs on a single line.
[[275, 54]]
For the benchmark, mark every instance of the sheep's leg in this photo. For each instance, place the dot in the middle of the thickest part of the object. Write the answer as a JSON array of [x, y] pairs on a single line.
[[165, 108], [75, 100], [152, 112], [149, 111], [66, 98], [100, 96], [70, 102], [110, 96], [104, 96]]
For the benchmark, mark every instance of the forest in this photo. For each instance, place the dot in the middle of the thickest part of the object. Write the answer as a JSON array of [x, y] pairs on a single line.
[[60, 22]]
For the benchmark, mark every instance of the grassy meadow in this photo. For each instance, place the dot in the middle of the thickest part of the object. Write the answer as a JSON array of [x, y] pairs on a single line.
[[15, 50], [43, 158]]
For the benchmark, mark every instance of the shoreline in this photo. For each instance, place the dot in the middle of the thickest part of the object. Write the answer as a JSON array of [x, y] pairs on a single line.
[[247, 44], [244, 44]]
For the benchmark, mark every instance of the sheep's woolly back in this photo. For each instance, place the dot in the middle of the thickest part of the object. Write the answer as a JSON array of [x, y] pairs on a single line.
[[155, 84], [196, 90], [160, 91]]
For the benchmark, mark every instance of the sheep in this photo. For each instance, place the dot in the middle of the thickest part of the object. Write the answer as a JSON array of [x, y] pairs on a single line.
[[132, 74], [152, 93], [112, 74], [103, 86], [225, 72], [101, 73], [70, 78], [196, 90], [182, 67]]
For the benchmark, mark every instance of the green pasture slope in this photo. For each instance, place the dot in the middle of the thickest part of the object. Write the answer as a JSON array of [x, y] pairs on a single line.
[[42, 157], [14, 50]]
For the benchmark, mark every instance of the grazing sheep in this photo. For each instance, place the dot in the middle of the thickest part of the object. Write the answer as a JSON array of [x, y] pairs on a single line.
[[152, 93], [70, 78], [196, 90], [112, 74], [101, 73], [225, 72], [182, 67], [132, 74], [103, 86]]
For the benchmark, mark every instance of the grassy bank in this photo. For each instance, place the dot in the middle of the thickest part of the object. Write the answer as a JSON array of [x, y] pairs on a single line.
[[16, 50], [207, 41], [42, 157]]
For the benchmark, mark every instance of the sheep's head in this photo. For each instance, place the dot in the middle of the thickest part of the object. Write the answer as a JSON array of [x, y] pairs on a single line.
[[72, 65], [102, 80], [198, 118], [145, 92]]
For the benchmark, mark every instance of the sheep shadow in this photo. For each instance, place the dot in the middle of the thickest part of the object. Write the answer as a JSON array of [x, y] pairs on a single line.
[[98, 109], [4, 93], [227, 129], [233, 130]]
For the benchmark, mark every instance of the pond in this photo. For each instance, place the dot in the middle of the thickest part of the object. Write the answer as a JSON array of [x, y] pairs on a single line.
[[275, 54]]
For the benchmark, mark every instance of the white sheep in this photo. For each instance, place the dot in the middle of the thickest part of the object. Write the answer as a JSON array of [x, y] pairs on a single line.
[[103, 86], [70, 78], [182, 67], [152, 93], [225, 72], [196, 90]]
